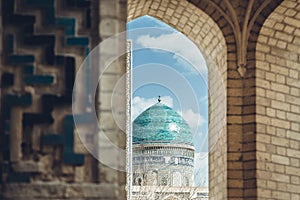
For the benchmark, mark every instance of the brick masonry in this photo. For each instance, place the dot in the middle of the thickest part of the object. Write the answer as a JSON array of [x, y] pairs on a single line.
[[278, 104], [243, 100], [252, 53]]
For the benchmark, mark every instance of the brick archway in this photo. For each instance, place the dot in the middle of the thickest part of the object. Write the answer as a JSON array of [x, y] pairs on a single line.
[[258, 154], [278, 103], [205, 33]]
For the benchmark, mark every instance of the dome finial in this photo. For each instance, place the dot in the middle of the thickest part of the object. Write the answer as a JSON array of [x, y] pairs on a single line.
[[159, 100]]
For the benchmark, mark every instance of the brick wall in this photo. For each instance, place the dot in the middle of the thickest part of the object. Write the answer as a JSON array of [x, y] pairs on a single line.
[[254, 114], [278, 104]]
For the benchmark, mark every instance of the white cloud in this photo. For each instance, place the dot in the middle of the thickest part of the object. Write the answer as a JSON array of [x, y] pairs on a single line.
[[140, 104], [178, 44], [194, 120]]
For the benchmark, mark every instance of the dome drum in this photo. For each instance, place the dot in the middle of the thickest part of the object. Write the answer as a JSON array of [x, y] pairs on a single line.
[[163, 150]]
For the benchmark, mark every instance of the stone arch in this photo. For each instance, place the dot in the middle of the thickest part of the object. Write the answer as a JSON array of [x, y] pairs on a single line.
[[151, 178], [205, 33], [278, 103], [176, 178]]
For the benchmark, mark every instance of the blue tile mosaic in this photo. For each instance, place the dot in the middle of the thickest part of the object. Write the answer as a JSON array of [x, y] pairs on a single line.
[[161, 124]]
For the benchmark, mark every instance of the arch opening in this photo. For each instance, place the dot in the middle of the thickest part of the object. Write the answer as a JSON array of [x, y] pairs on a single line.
[[207, 36]]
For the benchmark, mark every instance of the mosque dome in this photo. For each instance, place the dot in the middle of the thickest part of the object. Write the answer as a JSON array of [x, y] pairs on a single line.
[[161, 124]]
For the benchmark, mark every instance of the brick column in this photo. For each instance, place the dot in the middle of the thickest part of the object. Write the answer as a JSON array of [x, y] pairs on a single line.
[[278, 104]]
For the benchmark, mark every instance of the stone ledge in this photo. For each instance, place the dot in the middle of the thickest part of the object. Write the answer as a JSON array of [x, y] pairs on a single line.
[[58, 191], [28, 167]]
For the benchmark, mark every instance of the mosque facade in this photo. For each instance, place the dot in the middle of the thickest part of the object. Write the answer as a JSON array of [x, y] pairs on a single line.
[[163, 156]]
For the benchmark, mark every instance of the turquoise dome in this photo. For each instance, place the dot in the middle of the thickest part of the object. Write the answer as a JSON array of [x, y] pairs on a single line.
[[161, 124]]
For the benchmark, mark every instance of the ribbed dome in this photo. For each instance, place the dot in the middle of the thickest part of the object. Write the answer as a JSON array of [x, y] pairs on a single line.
[[161, 124]]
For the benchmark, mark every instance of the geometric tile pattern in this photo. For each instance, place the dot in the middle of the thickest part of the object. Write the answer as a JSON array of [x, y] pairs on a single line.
[[19, 35]]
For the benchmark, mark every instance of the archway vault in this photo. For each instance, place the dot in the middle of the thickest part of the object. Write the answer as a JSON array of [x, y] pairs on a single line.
[[226, 33]]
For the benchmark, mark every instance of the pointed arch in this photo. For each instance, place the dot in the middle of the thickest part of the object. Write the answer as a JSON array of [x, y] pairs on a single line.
[[205, 33]]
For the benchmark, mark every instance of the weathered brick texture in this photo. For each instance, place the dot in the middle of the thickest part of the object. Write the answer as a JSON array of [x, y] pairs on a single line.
[[278, 103], [252, 53]]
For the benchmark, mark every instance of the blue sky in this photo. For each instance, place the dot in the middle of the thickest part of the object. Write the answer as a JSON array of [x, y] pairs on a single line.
[[167, 63]]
